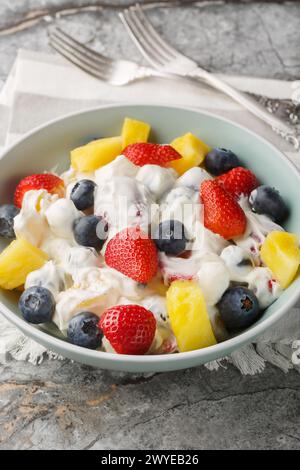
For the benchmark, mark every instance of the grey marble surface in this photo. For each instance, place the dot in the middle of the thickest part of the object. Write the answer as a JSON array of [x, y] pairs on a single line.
[[60, 404]]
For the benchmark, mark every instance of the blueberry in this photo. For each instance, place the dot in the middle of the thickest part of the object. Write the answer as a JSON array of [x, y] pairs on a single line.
[[238, 308], [219, 161], [83, 330], [37, 305], [267, 200], [83, 194], [90, 231], [170, 237], [7, 214]]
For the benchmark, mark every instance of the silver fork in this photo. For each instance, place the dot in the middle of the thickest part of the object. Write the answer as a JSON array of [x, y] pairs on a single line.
[[115, 72], [166, 59]]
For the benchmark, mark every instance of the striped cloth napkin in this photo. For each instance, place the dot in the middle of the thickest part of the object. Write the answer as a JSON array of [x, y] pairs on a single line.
[[42, 87]]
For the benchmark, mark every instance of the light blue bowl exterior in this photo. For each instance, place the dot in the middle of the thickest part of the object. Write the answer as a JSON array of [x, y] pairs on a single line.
[[48, 148]]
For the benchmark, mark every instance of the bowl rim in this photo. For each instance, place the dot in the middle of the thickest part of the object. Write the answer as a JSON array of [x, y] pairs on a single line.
[[219, 349]]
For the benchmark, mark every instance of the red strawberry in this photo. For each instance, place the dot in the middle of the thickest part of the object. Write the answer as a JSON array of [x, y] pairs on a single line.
[[222, 214], [155, 154], [238, 181], [132, 253], [51, 183], [130, 329]]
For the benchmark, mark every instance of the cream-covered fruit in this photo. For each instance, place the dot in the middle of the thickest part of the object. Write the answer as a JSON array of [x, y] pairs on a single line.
[[146, 248]]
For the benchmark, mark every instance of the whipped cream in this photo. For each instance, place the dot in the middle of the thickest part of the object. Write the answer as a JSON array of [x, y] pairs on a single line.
[[157, 179], [181, 204], [31, 222], [266, 289], [74, 300], [125, 202], [121, 166], [205, 241], [56, 248], [193, 178], [174, 267], [95, 278], [238, 261], [61, 216], [158, 306], [213, 278], [50, 276], [77, 258]]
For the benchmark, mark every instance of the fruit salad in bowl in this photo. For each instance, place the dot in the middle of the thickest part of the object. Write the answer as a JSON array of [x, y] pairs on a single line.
[[143, 248]]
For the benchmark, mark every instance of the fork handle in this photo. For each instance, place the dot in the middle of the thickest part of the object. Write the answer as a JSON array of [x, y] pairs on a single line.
[[246, 101]]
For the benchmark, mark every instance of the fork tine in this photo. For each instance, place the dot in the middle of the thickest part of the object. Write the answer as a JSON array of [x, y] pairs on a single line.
[[153, 34], [153, 45], [136, 35], [101, 68], [84, 65], [57, 32]]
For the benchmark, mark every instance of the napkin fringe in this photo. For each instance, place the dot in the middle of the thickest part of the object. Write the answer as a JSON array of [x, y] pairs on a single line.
[[14, 345], [276, 354], [249, 360], [252, 359]]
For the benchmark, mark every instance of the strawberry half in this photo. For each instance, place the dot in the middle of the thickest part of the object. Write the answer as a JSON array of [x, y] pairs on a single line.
[[130, 329], [222, 214], [134, 254], [150, 154], [238, 181], [51, 183]]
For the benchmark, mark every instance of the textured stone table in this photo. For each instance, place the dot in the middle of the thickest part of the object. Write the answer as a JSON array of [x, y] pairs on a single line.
[[61, 405]]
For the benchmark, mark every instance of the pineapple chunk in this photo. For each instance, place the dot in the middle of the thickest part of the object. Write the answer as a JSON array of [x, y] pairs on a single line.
[[134, 131], [97, 153], [281, 254], [192, 150], [188, 316], [17, 261]]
